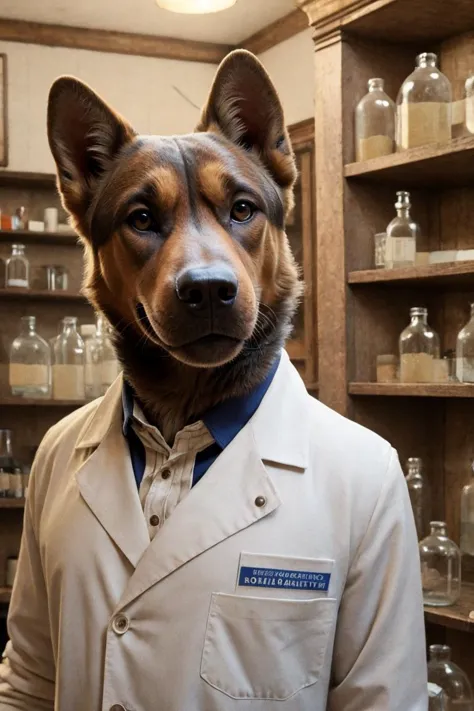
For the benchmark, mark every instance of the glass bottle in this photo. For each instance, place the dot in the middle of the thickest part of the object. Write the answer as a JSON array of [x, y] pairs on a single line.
[[7, 463], [467, 516], [16, 483], [440, 560], [446, 674], [30, 362], [110, 365], [465, 351], [469, 105], [424, 105], [91, 369], [419, 347], [436, 698], [374, 123], [419, 495], [68, 362], [17, 268], [402, 233]]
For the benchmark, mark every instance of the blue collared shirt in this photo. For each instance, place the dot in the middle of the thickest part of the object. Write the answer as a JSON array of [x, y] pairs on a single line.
[[224, 422]]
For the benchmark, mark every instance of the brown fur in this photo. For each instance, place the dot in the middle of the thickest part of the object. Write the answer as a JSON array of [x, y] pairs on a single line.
[[181, 363]]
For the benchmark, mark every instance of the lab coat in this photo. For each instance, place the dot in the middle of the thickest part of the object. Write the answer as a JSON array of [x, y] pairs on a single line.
[[221, 611]]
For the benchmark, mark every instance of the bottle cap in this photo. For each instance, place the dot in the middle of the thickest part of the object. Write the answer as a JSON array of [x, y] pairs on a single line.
[[87, 330]]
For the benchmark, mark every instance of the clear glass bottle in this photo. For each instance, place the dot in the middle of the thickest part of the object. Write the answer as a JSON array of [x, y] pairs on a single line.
[[424, 105], [465, 351], [446, 674], [436, 698], [7, 462], [402, 234], [91, 366], [469, 105], [419, 348], [110, 365], [17, 268], [467, 516], [68, 362], [375, 123], [16, 483], [30, 362], [440, 560], [418, 491]]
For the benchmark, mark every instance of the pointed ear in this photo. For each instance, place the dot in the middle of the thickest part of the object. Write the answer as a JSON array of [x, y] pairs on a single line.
[[244, 106], [85, 135]]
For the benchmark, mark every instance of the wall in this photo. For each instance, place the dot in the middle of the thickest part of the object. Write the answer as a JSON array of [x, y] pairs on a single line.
[[141, 88], [291, 67]]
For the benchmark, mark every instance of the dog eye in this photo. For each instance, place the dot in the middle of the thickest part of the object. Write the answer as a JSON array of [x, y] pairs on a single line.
[[141, 220], [242, 211]]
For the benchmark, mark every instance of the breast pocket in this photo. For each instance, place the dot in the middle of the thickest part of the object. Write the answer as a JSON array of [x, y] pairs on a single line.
[[260, 648]]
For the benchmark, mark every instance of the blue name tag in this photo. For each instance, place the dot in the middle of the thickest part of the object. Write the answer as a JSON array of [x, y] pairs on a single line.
[[276, 578]]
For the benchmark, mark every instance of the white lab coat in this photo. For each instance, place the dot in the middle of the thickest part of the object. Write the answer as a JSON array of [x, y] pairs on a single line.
[[103, 619]]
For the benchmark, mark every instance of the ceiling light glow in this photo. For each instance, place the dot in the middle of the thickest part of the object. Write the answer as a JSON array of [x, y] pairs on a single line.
[[195, 7]]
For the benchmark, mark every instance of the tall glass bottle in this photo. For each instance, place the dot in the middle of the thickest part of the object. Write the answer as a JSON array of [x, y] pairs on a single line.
[[446, 674], [419, 495], [68, 362], [110, 364], [402, 233], [30, 362], [419, 347], [91, 366], [17, 268], [374, 123], [440, 560], [424, 105], [465, 351], [7, 462], [467, 516]]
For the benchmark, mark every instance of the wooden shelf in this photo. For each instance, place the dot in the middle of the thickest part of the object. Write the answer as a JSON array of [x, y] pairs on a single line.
[[40, 238], [443, 275], [457, 390], [12, 503], [456, 616], [27, 180], [5, 595], [30, 294], [438, 164], [38, 402]]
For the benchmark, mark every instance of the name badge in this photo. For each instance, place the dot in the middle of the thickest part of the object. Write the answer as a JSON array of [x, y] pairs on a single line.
[[282, 573]]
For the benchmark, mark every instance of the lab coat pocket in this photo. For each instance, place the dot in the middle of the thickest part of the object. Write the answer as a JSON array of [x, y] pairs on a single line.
[[262, 648]]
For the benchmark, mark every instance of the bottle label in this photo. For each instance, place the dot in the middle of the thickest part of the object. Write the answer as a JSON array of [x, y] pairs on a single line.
[[68, 382], [24, 376], [465, 370], [400, 250], [23, 283]]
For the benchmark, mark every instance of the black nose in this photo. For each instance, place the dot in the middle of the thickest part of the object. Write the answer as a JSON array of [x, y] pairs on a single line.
[[202, 286]]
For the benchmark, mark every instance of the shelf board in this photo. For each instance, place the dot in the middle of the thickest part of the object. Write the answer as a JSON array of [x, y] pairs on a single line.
[[41, 238], [39, 402], [456, 616], [413, 389], [12, 503], [5, 595], [43, 295], [23, 179], [437, 164], [452, 274]]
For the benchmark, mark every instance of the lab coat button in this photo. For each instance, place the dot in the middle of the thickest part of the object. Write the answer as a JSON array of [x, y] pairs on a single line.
[[120, 625], [260, 501], [154, 520], [165, 474]]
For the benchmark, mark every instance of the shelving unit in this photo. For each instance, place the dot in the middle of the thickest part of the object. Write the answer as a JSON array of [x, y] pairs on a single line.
[[12, 503], [5, 595], [361, 311], [38, 238], [27, 402], [38, 294]]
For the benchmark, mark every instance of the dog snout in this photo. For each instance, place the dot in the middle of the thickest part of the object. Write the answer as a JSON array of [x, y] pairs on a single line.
[[204, 287]]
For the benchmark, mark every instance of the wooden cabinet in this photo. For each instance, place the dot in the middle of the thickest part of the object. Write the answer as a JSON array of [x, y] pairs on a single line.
[[361, 311]]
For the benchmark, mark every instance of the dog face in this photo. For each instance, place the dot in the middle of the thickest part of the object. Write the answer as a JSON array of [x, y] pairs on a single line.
[[184, 235]]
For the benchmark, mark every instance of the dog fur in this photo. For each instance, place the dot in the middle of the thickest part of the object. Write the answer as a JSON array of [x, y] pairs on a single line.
[[179, 363]]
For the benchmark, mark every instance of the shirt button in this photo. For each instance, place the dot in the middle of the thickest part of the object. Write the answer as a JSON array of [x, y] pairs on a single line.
[[260, 501], [165, 474], [120, 625], [154, 520]]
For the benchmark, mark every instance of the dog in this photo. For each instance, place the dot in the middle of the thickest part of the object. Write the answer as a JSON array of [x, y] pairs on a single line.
[[185, 245]]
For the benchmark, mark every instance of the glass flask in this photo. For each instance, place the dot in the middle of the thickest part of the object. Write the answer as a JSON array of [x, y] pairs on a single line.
[[68, 362], [16, 483], [91, 365], [402, 233], [440, 560], [419, 348], [17, 268], [465, 351], [446, 674], [110, 366], [469, 105], [30, 362], [374, 123], [424, 105], [436, 698], [467, 516], [418, 491], [7, 463]]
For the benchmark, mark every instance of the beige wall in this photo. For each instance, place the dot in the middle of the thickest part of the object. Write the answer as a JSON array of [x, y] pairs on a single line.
[[141, 88]]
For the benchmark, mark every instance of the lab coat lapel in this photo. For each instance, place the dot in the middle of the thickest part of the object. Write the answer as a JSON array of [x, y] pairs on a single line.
[[220, 505]]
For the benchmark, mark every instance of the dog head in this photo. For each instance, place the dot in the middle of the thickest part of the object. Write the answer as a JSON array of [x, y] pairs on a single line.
[[184, 235]]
